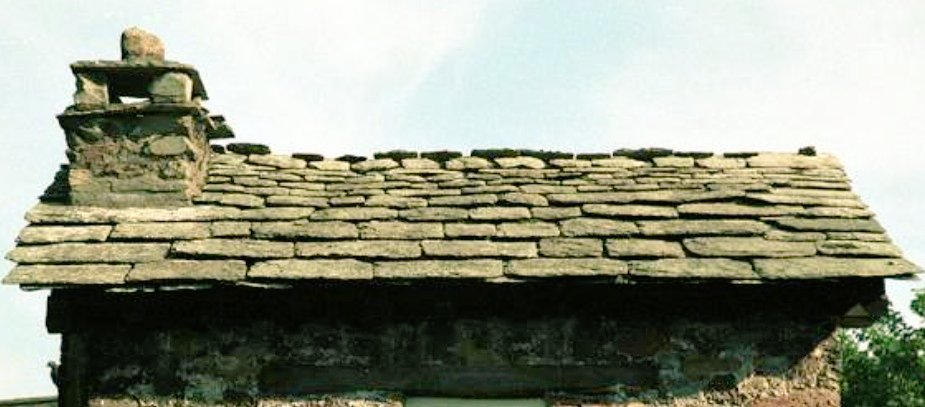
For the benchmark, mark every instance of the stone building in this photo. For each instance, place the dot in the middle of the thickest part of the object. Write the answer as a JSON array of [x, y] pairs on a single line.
[[188, 274]]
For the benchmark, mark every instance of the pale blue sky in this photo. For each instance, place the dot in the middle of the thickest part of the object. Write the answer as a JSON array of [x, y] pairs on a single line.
[[591, 76]]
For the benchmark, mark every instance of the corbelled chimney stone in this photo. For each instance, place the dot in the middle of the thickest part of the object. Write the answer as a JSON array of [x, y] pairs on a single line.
[[137, 133]]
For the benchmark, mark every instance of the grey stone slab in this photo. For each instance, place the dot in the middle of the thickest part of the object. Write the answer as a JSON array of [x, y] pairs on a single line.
[[188, 270], [793, 161], [434, 214], [468, 163], [481, 269], [295, 200], [619, 162], [556, 212], [400, 230], [58, 234], [805, 200], [837, 212], [234, 248], [499, 213], [674, 161], [305, 229], [521, 198], [391, 249], [160, 231], [527, 229], [747, 247], [57, 274], [241, 200], [314, 269], [701, 227], [571, 247], [420, 164], [374, 165], [433, 192], [786, 236], [354, 214], [717, 162], [858, 248], [400, 202], [464, 200], [633, 211], [596, 227], [70, 214], [230, 229], [829, 224], [734, 209], [547, 189], [832, 267], [330, 165], [693, 268], [454, 230], [520, 162], [478, 248], [643, 248], [660, 196], [566, 268], [89, 253]]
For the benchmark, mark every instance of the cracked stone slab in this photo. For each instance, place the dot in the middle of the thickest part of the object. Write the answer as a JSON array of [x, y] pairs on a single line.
[[566, 267], [831, 267], [830, 224], [693, 268], [482, 269], [426, 214], [315, 269], [58, 234], [54, 274], [89, 253], [747, 247], [195, 270]]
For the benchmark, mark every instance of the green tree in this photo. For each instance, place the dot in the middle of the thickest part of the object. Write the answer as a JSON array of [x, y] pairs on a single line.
[[884, 365]]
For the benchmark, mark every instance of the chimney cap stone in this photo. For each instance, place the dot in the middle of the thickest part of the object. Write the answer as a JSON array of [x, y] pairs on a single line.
[[138, 44]]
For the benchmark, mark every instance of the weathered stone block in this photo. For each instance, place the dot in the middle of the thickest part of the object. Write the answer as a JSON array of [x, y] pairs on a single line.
[[291, 200], [439, 269], [230, 229], [276, 213], [234, 248], [57, 234], [393, 249], [721, 162], [400, 230], [565, 267], [829, 267], [464, 200], [775, 234], [793, 161], [53, 274], [569, 247], [346, 269], [732, 209], [478, 248], [190, 270], [171, 87], [374, 165], [168, 146], [330, 165], [830, 224], [858, 248], [643, 248], [747, 247], [467, 163], [527, 229], [454, 230], [400, 202], [693, 268], [635, 211], [596, 227], [92, 91], [862, 236], [557, 212], [354, 214], [701, 227], [241, 200], [138, 44], [499, 213], [89, 253], [309, 229], [45, 214], [837, 212], [520, 198], [520, 162], [674, 161], [426, 214], [276, 161], [160, 231]]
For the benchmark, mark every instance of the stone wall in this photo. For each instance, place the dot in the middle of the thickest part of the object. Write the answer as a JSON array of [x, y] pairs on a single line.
[[321, 352]]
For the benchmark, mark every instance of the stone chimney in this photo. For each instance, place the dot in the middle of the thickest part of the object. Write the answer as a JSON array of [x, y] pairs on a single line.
[[137, 134]]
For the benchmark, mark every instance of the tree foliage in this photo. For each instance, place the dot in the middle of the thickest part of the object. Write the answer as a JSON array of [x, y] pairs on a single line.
[[884, 365]]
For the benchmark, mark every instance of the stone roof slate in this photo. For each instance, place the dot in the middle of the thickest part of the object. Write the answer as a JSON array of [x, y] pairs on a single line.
[[501, 217]]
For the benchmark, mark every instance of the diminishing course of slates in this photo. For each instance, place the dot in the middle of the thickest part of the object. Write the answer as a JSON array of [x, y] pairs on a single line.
[[266, 218]]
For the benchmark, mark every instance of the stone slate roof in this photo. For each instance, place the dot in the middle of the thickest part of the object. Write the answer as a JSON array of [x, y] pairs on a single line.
[[497, 216]]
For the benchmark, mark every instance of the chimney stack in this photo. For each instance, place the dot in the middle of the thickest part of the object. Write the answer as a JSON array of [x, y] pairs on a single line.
[[137, 134]]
